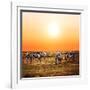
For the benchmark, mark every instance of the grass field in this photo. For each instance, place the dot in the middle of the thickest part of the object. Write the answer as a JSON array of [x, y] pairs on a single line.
[[47, 68]]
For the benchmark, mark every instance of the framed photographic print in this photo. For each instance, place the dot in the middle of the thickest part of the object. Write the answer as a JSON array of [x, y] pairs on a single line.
[[48, 45]]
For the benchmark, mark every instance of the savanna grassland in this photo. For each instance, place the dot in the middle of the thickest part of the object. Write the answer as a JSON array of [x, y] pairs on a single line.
[[46, 67]]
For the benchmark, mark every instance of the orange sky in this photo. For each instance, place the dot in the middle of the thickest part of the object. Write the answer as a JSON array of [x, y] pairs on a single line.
[[37, 34]]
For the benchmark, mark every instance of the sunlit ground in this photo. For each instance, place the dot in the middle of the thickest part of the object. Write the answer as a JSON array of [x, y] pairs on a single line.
[[47, 67]]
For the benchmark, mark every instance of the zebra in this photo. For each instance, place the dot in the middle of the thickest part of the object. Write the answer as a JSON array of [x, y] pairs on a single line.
[[71, 56], [29, 57], [58, 58], [40, 55], [35, 55]]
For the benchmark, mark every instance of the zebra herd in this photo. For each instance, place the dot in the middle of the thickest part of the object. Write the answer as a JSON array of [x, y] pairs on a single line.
[[65, 56], [35, 55], [58, 57]]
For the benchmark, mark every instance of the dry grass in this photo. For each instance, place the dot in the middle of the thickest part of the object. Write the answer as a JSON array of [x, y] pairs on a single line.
[[47, 68]]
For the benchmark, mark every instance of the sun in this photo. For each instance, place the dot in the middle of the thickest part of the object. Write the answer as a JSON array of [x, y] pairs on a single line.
[[53, 30]]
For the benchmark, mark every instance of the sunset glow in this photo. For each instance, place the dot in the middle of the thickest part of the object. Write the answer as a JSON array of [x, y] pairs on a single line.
[[53, 30], [50, 31]]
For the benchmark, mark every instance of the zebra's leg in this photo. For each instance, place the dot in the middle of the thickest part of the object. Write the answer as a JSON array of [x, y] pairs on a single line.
[[27, 60], [59, 61], [56, 61], [40, 59], [30, 60], [66, 58]]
